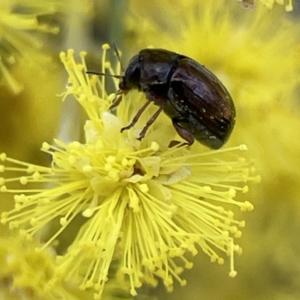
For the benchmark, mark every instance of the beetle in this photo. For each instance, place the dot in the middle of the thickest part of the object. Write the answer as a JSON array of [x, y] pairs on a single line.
[[198, 104]]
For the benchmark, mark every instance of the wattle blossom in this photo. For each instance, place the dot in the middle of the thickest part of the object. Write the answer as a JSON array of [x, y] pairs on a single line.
[[145, 205], [26, 273], [17, 20], [288, 4]]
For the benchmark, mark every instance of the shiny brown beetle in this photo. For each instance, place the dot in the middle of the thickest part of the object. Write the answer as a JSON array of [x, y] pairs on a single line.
[[197, 102]]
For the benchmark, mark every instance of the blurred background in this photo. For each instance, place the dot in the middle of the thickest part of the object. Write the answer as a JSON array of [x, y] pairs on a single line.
[[255, 52]]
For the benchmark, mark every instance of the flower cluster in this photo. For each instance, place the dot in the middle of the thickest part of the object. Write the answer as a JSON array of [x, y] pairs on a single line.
[[17, 19], [288, 4], [145, 205], [19, 277]]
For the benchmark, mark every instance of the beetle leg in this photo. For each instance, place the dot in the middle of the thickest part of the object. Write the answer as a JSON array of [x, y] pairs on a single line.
[[184, 133], [150, 122], [137, 116], [116, 103], [119, 99]]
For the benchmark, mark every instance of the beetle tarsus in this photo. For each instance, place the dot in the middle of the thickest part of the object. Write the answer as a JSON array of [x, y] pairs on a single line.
[[178, 144], [116, 103]]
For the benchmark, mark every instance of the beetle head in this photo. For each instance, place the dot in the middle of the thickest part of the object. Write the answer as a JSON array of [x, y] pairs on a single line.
[[131, 79]]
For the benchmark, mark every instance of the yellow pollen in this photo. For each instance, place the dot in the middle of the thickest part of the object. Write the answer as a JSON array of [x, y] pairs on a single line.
[[23, 180], [46, 146], [36, 176], [243, 147], [3, 156], [233, 274], [105, 47], [82, 54], [154, 146], [63, 221], [3, 188]]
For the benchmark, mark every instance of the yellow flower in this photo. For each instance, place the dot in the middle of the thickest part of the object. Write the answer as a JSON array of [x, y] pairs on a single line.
[[26, 273], [17, 18], [270, 3], [146, 205]]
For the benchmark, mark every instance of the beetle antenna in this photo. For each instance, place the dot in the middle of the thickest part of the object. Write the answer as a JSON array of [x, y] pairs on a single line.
[[118, 56], [104, 74]]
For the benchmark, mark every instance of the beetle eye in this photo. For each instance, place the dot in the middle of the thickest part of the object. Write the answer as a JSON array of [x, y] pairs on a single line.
[[134, 78], [123, 85]]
